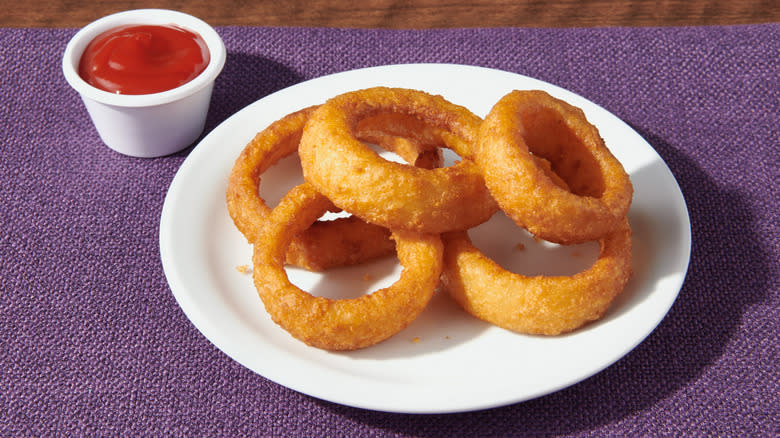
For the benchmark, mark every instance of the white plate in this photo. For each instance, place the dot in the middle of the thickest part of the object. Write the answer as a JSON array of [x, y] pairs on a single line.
[[446, 361]]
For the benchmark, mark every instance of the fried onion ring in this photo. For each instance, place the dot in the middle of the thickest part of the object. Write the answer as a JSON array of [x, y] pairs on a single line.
[[346, 324], [394, 195], [546, 305], [527, 124], [340, 242]]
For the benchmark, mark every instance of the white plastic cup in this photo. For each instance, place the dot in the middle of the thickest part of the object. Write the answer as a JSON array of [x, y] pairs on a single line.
[[147, 125]]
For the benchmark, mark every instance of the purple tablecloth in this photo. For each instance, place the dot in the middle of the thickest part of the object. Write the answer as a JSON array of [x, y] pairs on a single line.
[[93, 343]]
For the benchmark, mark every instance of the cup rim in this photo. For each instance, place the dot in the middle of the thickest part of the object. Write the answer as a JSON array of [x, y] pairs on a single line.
[[78, 43]]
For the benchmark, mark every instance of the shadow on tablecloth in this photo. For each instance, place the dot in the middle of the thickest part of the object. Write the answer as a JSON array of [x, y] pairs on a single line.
[[237, 87]]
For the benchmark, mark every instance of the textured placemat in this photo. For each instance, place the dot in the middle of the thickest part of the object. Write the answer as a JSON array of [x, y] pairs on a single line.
[[93, 342]]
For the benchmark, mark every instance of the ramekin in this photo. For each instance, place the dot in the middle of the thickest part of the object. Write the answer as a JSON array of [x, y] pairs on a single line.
[[147, 125]]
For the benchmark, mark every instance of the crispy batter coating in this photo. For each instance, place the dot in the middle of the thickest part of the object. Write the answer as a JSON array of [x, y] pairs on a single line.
[[527, 124], [346, 324], [546, 305], [390, 194]]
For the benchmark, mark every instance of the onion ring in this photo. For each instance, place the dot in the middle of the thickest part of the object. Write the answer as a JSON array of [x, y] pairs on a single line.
[[525, 124], [340, 242], [546, 305], [346, 324], [394, 195]]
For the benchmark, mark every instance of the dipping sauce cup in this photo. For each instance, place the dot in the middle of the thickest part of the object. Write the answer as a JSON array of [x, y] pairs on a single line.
[[155, 124]]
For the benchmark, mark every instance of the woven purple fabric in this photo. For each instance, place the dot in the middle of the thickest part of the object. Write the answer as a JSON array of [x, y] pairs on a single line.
[[93, 342]]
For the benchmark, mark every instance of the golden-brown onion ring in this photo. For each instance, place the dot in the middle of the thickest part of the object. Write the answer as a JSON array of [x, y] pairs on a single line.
[[346, 324], [340, 242], [394, 195], [547, 305], [525, 124]]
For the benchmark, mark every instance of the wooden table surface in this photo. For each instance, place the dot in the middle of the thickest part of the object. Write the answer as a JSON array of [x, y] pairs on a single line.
[[398, 14]]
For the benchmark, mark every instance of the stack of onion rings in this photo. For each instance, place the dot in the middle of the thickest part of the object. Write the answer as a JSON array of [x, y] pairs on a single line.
[[326, 244], [549, 170], [535, 157]]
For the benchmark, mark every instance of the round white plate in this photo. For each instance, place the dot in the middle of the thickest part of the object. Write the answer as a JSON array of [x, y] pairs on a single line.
[[446, 360]]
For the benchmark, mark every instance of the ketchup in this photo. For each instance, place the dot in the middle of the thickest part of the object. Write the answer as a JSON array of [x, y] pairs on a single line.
[[143, 59]]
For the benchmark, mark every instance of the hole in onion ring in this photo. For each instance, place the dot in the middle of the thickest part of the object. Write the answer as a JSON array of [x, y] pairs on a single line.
[[384, 153], [280, 178], [405, 133], [516, 250], [448, 156], [569, 157], [348, 281]]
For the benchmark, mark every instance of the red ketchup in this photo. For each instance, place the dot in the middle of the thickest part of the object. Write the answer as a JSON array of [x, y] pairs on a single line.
[[143, 59]]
